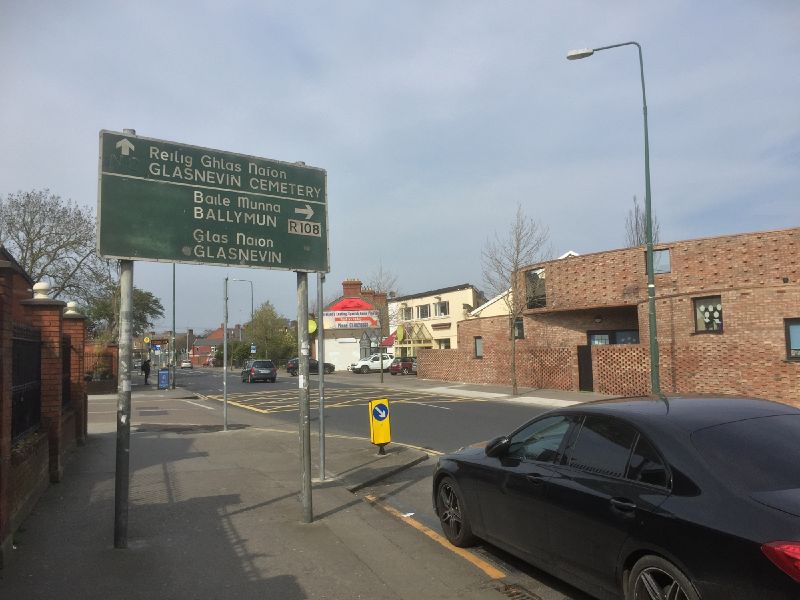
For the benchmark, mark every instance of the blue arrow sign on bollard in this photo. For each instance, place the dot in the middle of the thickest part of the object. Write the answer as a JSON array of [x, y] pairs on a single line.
[[380, 412]]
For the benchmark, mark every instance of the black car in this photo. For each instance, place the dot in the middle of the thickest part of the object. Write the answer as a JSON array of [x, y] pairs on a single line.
[[259, 370], [313, 367], [678, 499]]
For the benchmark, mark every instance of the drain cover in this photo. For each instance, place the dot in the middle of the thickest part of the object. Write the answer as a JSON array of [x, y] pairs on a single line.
[[516, 592]]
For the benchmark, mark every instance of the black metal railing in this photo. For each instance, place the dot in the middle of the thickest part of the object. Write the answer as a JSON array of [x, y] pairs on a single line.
[[66, 364], [26, 380]]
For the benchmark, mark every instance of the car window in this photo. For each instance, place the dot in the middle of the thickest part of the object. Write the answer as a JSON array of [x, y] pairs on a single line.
[[646, 466], [758, 455], [540, 440], [263, 364], [602, 446]]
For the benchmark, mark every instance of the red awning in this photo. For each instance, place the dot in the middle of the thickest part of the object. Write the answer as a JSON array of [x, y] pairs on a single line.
[[351, 304], [389, 341]]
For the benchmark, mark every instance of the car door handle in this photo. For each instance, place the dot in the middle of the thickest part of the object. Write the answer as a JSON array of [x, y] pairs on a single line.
[[623, 504], [535, 478]]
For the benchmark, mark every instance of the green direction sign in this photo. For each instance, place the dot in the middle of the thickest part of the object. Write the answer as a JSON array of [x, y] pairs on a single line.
[[171, 202]]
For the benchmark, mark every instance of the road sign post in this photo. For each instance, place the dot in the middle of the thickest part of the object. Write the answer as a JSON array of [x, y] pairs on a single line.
[[164, 201]]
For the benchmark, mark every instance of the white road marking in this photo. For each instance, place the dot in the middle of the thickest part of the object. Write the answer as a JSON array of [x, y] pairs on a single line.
[[200, 405]]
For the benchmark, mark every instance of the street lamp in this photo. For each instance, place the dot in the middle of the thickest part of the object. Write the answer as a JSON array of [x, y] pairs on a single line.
[[251, 297], [651, 286]]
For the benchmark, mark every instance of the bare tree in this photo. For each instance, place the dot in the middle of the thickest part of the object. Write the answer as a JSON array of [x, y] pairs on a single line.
[[55, 239], [503, 258], [636, 226]]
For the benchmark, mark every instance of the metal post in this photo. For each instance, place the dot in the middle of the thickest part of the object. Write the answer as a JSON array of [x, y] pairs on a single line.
[[172, 343], [321, 361], [305, 424], [225, 360], [655, 380], [122, 472]]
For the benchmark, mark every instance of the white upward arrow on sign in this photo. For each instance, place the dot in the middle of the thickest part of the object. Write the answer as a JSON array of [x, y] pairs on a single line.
[[125, 146], [307, 211]]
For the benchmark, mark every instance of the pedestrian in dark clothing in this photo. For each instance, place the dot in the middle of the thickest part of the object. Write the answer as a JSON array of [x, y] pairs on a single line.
[[146, 369]]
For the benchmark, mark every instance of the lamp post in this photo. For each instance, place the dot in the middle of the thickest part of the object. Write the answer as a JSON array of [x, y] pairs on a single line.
[[251, 297], [655, 382]]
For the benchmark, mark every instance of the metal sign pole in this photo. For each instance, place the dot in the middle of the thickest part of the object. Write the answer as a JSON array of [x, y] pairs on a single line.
[[225, 360], [321, 361], [173, 349], [122, 471], [305, 422]]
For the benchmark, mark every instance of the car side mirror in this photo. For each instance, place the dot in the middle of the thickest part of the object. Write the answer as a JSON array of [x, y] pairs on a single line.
[[498, 446]]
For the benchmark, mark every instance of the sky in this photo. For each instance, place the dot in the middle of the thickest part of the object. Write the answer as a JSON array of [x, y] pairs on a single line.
[[433, 119]]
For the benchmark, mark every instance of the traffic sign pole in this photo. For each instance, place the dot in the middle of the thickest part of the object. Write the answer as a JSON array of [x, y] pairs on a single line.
[[122, 470], [305, 421], [321, 361]]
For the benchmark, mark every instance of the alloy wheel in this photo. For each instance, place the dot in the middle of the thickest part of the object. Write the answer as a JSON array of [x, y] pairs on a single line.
[[656, 584], [450, 510]]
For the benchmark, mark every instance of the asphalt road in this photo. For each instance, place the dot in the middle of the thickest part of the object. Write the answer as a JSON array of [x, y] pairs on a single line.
[[435, 422]]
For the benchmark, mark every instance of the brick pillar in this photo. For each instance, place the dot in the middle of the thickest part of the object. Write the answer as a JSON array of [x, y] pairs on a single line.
[[47, 316], [75, 327], [6, 329]]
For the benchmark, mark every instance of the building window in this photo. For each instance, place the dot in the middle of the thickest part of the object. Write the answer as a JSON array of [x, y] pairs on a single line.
[[708, 314], [423, 311], [519, 329], [478, 347], [622, 336], [661, 261], [407, 313], [444, 344], [792, 339], [441, 309], [535, 289]]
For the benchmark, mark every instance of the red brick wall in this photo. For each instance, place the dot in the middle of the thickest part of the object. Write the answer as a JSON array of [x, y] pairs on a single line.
[[47, 316], [618, 278], [30, 474], [621, 369]]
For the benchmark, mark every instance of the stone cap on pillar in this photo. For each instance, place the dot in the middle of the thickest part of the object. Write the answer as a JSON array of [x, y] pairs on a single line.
[[41, 296], [71, 311]]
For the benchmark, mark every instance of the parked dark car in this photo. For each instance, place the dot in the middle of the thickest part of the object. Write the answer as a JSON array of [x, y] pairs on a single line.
[[259, 370], [313, 367], [403, 365], [680, 498]]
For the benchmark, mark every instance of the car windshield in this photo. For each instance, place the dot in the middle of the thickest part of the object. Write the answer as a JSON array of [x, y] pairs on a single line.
[[757, 455], [263, 364]]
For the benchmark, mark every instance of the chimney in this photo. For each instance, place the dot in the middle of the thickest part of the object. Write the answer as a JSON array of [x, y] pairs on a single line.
[[351, 288]]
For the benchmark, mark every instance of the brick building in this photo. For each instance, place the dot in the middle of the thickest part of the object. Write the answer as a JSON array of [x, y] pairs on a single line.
[[346, 346], [43, 402], [727, 310]]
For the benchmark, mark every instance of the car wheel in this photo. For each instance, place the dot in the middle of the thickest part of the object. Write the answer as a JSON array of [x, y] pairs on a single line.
[[653, 578], [364, 369], [405, 371], [452, 514], [392, 373], [292, 373], [328, 370]]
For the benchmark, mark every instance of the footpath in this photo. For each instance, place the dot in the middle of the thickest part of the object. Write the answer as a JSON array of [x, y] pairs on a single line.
[[216, 514]]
